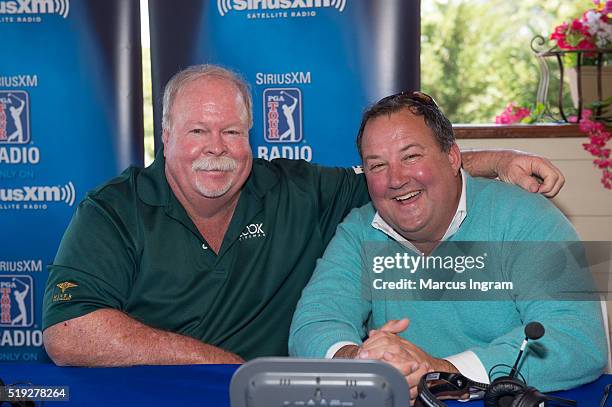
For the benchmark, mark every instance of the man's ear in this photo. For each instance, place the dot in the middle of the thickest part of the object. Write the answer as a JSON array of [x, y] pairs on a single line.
[[454, 157], [165, 137]]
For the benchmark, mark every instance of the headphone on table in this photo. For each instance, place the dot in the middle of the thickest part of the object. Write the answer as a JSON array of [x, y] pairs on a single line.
[[503, 392], [507, 391]]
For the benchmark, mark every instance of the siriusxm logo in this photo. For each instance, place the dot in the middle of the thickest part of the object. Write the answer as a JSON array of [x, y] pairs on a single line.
[[14, 117], [20, 7], [225, 6], [21, 266], [16, 301], [59, 193], [282, 115]]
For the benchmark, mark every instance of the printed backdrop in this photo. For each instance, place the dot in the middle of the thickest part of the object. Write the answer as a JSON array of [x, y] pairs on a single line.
[[70, 118], [313, 65], [71, 103]]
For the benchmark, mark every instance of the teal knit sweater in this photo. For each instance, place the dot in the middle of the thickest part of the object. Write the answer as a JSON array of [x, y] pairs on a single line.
[[334, 308]]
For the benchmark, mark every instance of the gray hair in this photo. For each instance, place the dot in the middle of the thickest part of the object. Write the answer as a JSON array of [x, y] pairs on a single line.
[[192, 73]]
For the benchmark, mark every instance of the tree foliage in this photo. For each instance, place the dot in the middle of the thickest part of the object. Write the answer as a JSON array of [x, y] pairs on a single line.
[[476, 55]]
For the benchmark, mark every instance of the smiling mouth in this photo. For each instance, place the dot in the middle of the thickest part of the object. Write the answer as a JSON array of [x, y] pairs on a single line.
[[409, 196]]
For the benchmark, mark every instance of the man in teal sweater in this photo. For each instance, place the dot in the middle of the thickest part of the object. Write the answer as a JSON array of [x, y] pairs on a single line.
[[421, 197]]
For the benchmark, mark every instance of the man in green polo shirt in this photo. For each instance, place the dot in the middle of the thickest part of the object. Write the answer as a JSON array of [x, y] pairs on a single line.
[[201, 257]]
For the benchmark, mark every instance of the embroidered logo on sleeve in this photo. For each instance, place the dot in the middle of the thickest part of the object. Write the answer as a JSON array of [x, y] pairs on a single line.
[[63, 295]]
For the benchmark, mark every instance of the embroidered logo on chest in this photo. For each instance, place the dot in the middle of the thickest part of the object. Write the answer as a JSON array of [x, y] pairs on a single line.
[[254, 230]]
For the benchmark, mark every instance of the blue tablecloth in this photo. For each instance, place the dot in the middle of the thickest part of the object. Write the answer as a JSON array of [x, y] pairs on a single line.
[[198, 385]]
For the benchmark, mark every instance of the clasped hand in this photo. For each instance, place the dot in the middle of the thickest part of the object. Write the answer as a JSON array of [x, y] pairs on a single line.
[[385, 344]]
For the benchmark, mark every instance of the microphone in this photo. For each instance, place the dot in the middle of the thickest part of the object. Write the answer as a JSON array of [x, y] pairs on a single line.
[[534, 331]]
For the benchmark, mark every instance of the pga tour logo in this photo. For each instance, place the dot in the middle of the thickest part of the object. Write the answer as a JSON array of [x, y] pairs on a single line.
[[16, 7], [225, 6], [14, 117], [282, 115], [16, 301]]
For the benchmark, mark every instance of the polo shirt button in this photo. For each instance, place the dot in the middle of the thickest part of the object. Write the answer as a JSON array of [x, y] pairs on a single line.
[[204, 246]]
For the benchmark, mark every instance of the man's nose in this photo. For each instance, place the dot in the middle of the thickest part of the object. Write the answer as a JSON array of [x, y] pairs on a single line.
[[397, 176], [215, 144]]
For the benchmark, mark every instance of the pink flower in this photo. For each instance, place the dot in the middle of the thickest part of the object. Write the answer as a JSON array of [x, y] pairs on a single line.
[[603, 8], [598, 139], [586, 44], [606, 179], [603, 164], [512, 114], [588, 32]]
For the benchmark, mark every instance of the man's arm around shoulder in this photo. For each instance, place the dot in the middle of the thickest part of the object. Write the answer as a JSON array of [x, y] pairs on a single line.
[[531, 172], [108, 337]]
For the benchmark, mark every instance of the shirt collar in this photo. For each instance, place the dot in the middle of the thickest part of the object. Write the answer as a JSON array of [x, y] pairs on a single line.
[[152, 186], [379, 223]]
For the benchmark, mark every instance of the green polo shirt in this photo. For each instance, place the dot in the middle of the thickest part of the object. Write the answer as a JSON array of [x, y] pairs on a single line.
[[132, 247]]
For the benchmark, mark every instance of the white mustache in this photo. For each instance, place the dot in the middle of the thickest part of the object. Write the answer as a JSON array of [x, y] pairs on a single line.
[[214, 164]]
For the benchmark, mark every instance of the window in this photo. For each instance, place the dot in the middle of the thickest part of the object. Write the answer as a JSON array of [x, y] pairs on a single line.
[[476, 55]]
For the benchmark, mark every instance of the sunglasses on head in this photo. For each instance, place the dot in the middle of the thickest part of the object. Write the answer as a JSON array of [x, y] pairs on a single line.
[[416, 96]]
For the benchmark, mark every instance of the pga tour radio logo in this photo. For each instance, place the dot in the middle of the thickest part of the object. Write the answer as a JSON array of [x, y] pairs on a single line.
[[225, 6], [14, 117], [16, 301], [282, 115], [34, 7]]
